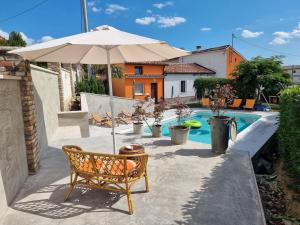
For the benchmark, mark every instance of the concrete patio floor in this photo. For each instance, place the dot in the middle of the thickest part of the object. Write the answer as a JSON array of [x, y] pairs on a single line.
[[188, 185]]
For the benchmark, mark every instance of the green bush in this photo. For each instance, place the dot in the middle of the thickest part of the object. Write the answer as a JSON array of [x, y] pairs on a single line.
[[90, 86], [289, 128], [203, 84]]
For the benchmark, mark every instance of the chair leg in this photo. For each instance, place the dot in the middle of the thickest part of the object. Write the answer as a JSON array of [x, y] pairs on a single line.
[[129, 201], [72, 185], [146, 182]]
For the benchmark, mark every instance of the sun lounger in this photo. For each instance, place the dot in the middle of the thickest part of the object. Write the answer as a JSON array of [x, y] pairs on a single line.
[[249, 104], [99, 120], [118, 119], [236, 103], [205, 102]]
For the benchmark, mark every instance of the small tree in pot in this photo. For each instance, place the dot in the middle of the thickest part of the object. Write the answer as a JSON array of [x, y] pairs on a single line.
[[179, 133], [219, 124], [139, 117], [158, 117]]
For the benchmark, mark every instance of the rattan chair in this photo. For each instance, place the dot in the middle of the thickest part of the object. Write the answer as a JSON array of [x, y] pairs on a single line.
[[106, 171]]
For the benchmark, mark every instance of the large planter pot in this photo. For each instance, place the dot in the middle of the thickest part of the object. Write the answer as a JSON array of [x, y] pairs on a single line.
[[138, 128], [156, 130], [179, 134], [219, 126]]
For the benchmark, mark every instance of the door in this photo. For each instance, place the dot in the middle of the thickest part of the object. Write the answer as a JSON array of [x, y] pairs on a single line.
[[154, 91]]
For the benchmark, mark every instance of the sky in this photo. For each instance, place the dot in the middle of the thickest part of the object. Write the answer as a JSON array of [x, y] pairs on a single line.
[[262, 27]]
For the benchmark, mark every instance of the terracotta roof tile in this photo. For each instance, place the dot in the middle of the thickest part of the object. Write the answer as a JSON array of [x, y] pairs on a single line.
[[193, 68]]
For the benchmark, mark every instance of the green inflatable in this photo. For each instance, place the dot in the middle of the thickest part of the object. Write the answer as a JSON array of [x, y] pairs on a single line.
[[192, 123]]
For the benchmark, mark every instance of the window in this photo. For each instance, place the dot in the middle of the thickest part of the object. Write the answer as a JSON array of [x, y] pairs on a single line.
[[182, 86], [138, 70], [138, 88]]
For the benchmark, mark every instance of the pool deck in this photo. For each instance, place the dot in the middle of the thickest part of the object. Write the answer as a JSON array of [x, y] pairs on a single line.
[[188, 185]]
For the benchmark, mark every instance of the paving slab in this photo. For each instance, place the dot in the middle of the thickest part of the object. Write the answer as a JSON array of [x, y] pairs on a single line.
[[188, 185]]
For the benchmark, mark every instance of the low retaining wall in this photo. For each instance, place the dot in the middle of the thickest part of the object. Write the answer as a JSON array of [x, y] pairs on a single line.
[[100, 103]]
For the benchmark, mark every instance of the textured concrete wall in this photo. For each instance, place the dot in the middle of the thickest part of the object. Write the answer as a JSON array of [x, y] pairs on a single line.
[[67, 79], [46, 103], [100, 104], [13, 163]]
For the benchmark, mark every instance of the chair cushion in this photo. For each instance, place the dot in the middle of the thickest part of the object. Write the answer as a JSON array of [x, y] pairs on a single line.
[[117, 168]]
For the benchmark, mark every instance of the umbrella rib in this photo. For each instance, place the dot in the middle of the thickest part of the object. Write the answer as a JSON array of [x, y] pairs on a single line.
[[65, 45], [85, 54], [152, 51]]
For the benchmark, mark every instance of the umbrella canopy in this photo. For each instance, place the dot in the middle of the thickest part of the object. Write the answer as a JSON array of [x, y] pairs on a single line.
[[90, 48], [103, 45]]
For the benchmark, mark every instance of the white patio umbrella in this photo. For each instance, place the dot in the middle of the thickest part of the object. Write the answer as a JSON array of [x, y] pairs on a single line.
[[103, 45]]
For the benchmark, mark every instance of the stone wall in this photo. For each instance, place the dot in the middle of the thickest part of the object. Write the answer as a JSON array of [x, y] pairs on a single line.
[[47, 104], [13, 163]]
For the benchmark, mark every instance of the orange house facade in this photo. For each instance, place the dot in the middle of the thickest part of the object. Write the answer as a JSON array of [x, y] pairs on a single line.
[[139, 80]]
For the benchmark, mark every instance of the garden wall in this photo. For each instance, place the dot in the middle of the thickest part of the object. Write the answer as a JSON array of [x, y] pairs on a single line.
[[46, 98], [13, 162], [100, 103], [68, 77]]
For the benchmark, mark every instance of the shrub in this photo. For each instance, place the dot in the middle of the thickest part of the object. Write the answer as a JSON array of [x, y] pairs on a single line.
[[289, 128], [90, 86], [203, 85]]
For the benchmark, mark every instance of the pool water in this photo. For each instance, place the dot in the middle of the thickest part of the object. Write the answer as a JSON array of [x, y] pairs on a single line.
[[203, 134]]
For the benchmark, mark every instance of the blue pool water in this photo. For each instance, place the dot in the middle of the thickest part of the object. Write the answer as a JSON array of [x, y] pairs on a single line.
[[203, 134]]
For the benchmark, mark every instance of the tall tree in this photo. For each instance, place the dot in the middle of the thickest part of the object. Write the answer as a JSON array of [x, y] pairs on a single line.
[[15, 39], [260, 74]]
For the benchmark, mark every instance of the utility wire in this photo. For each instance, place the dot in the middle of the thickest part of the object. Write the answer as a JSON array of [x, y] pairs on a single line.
[[262, 47], [23, 12]]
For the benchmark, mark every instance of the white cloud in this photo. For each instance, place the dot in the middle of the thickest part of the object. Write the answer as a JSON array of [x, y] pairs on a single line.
[[28, 40], [278, 41], [91, 3], [112, 8], [149, 11], [251, 34], [4, 34], [238, 28], [205, 29], [170, 21], [145, 20], [95, 9], [45, 38], [283, 37], [163, 4]]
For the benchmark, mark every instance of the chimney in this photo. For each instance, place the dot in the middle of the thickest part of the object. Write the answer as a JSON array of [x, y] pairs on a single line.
[[198, 47]]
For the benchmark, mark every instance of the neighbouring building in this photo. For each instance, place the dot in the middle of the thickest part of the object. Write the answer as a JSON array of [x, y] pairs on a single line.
[[222, 60], [294, 71], [179, 79], [140, 79]]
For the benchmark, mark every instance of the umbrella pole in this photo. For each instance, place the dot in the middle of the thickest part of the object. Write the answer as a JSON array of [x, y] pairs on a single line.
[[111, 102]]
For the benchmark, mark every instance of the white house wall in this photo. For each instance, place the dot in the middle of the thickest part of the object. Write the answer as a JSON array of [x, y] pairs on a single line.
[[215, 60], [173, 80], [295, 75]]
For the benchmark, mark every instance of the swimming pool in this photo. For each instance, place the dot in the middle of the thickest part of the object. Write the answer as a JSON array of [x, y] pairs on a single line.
[[203, 134]]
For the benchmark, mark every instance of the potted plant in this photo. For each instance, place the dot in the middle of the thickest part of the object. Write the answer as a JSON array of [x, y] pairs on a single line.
[[219, 124], [179, 133], [158, 116], [139, 116]]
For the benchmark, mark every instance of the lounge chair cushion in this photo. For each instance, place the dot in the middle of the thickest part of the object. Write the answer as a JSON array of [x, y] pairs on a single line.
[[117, 167]]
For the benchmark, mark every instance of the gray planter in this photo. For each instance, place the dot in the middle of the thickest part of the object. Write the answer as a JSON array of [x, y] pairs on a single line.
[[156, 130], [219, 126], [138, 128], [179, 134]]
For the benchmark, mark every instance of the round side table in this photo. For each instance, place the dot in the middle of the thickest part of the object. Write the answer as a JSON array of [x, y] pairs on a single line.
[[136, 149]]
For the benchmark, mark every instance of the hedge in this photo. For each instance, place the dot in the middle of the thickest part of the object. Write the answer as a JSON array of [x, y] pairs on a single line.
[[90, 86], [208, 83], [289, 129]]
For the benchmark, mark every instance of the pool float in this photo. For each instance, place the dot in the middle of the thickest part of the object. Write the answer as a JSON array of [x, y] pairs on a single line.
[[192, 123]]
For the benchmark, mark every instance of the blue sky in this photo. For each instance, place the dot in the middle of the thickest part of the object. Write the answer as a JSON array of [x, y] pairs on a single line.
[[263, 27]]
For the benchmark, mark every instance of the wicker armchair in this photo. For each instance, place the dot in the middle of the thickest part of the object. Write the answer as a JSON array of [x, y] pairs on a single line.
[[106, 171]]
